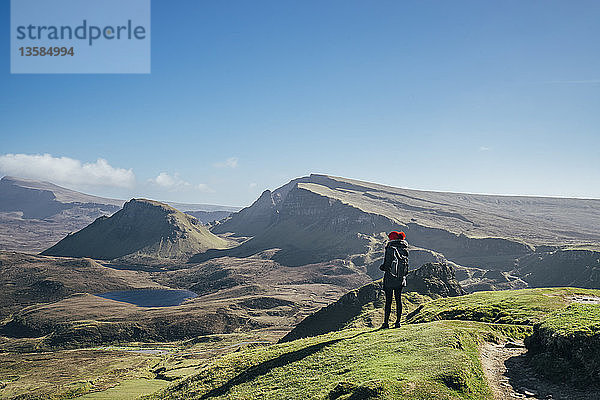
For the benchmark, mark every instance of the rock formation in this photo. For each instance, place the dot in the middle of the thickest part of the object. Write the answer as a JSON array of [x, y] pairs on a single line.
[[434, 279]]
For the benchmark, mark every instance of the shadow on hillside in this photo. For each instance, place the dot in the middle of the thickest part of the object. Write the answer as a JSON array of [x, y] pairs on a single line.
[[280, 361]]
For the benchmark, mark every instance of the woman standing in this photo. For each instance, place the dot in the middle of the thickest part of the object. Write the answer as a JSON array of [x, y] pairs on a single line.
[[395, 265]]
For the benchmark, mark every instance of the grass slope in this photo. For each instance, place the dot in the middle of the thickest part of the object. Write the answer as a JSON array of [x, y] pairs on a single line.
[[438, 359], [526, 306], [436, 355]]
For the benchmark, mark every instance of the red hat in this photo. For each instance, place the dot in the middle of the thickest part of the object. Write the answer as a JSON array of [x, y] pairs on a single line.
[[394, 235]]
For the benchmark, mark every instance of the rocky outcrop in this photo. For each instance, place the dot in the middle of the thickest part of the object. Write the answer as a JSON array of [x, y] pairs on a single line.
[[434, 279], [305, 226], [143, 228], [250, 220]]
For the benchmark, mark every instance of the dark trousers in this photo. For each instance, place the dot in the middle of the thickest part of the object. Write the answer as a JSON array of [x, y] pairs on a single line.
[[388, 304]]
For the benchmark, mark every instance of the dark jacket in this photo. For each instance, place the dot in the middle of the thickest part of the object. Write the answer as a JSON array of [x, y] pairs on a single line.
[[390, 281]]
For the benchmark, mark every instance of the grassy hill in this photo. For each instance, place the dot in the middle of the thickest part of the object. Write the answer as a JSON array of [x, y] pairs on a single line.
[[435, 356], [439, 352], [566, 346], [430, 361], [143, 228]]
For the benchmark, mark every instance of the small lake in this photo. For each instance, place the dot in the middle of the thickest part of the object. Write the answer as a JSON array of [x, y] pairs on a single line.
[[150, 297]]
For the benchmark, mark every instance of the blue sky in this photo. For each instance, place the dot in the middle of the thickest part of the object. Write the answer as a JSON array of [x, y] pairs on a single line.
[[468, 96]]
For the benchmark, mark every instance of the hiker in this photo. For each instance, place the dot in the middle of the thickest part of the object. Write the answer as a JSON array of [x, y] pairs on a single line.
[[395, 265]]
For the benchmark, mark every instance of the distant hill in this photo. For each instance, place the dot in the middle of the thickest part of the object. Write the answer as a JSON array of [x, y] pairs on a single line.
[[319, 218], [467, 228], [39, 199], [143, 228], [192, 207], [36, 214], [207, 217]]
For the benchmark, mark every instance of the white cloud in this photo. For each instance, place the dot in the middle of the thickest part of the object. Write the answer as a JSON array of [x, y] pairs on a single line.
[[484, 148], [65, 170], [167, 181], [174, 183], [253, 185], [231, 162]]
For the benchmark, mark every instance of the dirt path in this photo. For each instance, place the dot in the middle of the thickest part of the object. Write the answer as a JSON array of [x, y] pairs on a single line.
[[493, 358], [510, 377]]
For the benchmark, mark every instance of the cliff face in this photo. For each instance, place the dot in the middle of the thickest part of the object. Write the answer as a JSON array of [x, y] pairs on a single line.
[[141, 228], [250, 220], [319, 218], [578, 268], [305, 226]]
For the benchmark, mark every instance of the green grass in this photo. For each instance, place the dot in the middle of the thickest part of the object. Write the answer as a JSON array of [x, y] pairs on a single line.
[[566, 345], [438, 359], [127, 390], [435, 355], [525, 307], [575, 320], [61, 375]]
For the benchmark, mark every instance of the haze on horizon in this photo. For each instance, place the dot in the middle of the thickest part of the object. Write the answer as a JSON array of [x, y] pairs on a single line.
[[467, 96]]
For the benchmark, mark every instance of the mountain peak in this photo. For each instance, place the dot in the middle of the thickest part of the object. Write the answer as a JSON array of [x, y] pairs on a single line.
[[142, 228], [141, 203]]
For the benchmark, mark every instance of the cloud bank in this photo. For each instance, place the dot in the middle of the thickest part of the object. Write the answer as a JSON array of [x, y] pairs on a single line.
[[174, 183], [65, 170]]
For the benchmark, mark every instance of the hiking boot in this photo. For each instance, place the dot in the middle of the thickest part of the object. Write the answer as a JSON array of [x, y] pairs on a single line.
[[397, 324], [385, 325]]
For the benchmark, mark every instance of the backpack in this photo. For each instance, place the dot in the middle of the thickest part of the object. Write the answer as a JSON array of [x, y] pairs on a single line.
[[399, 267]]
